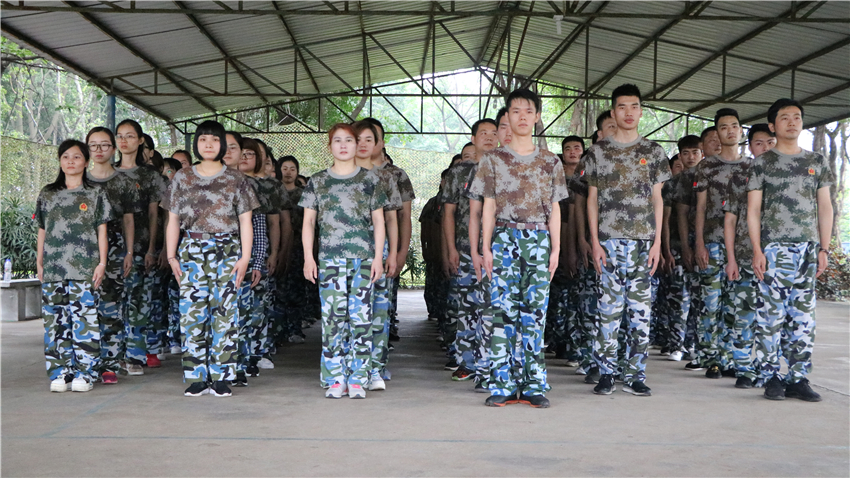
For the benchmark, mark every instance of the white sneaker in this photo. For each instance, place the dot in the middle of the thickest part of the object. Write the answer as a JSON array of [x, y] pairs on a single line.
[[571, 363], [133, 369], [337, 390], [59, 385], [296, 339], [176, 350], [581, 371], [80, 384], [376, 382], [265, 363], [356, 391], [160, 356], [675, 356]]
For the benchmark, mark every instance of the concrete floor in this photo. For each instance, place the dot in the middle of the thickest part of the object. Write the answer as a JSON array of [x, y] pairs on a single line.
[[424, 424]]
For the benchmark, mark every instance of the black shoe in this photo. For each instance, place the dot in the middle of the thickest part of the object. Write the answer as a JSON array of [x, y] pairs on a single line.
[[694, 366], [774, 389], [665, 350], [196, 389], [500, 400], [482, 387], [536, 401], [638, 388], [241, 380], [390, 347], [451, 365], [561, 352], [803, 391], [744, 382], [713, 372], [592, 376], [220, 389], [394, 337], [605, 386], [729, 373], [252, 370]]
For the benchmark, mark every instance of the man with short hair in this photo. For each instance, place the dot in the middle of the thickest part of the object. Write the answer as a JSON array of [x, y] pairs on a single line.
[[709, 141], [605, 125], [789, 219], [676, 291], [625, 173]]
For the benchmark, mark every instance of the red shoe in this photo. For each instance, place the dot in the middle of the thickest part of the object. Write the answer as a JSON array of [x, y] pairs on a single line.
[[153, 361], [109, 378]]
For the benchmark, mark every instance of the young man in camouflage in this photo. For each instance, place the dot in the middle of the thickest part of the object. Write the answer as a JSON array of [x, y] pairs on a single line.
[[431, 242], [624, 173], [467, 300], [677, 295], [711, 180], [744, 302], [789, 219], [521, 185]]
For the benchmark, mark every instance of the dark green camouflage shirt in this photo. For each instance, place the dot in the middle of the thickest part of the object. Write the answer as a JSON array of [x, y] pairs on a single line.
[[673, 222], [271, 198], [736, 203], [70, 219], [124, 199], [151, 187], [455, 193], [344, 206], [789, 185], [684, 192], [624, 175], [405, 187], [712, 176], [296, 215], [210, 204]]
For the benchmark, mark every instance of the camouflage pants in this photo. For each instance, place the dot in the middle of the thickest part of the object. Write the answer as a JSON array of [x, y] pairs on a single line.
[[624, 288], [157, 332], [174, 336], [435, 295], [292, 297], [519, 294], [263, 309], [589, 320], [692, 328], [138, 290], [346, 295], [380, 328], [110, 308], [566, 327], [746, 305], [484, 334], [208, 308], [712, 324], [658, 325], [678, 296], [249, 322], [788, 290], [466, 304], [71, 329]]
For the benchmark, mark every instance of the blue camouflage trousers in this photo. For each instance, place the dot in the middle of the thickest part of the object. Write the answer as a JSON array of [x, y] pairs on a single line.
[[138, 287], [157, 331], [678, 307], [174, 337], [250, 322], [208, 308], [519, 294], [624, 288], [71, 329], [380, 329], [466, 304], [110, 310], [746, 304], [712, 348], [788, 290], [484, 334], [589, 320], [346, 295]]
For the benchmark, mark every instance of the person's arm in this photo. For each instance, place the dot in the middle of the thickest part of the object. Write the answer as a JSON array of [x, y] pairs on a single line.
[[379, 231], [585, 250], [153, 224], [286, 240], [599, 256], [311, 272], [699, 230], [825, 219], [569, 243], [475, 208], [103, 252], [684, 238], [658, 208], [405, 233], [246, 235], [172, 237], [488, 219], [392, 267], [754, 228], [554, 238], [273, 223], [448, 221], [669, 262], [129, 226], [39, 254], [730, 222]]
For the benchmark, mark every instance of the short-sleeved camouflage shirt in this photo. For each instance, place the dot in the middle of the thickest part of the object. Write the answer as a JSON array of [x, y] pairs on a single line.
[[277, 191], [151, 187], [455, 192], [70, 218], [789, 185], [524, 187], [123, 197], [684, 192], [390, 187], [667, 196], [210, 204], [736, 203], [405, 187], [269, 197], [344, 206], [624, 175], [712, 176], [296, 214]]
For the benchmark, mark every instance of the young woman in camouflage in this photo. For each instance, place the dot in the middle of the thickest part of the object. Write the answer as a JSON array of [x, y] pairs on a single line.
[[124, 198], [347, 202], [72, 248], [212, 204], [292, 297]]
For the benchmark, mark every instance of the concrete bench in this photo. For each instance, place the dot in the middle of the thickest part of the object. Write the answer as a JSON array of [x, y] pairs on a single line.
[[20, 299]]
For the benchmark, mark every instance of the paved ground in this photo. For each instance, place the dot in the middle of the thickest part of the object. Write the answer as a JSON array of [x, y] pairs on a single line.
[[424, 424]]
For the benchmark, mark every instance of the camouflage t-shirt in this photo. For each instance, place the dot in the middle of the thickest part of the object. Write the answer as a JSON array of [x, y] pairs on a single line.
[[789, 185], [667, 196], [210, 204], [684, 193], [736, 203], [124, 199], [344, 206], [296, 215], [271, 198], [151, 187], [624, 175], [70, 219], [455, 192], [712, 176], [405, 187], [524, 187]]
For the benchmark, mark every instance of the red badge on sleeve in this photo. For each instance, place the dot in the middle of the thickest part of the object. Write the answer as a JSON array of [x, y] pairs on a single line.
[[83, 207], [643, 161], [811, 171]]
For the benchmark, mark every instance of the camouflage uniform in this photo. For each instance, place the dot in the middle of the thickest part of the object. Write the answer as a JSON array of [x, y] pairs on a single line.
[[344, 206], [70, 219], [138, 286], [123, 197], [684, 193], [524, 189], [587, 300], [278, 199], [210, 206], [790, 242], [624, 175], [676, 293], [292, 293]]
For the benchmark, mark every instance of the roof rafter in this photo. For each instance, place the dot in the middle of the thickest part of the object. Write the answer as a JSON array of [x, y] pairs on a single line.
[[297, 49], [807, 100]]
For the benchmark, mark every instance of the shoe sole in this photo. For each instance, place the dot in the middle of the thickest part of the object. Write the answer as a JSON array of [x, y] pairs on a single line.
[[712, 377], [481, 390], [377, 389], [743, 387], [67, 388], [462, 379], [221, 394], [605, 392], [357, 396], [695, 369], [497, 405], [135, 373], [450, 369], [628, 389], [802, 398], [591, 381], [774, 398], [187, 394]]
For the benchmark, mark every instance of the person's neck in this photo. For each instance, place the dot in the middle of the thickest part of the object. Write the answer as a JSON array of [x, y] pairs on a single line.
[[570, 169], [128, 161], [209, 168], [523, 145], [74, 181], [787, 146], [102, 170], [478, 154], [729, 153], [289, 186], [625, 135], [343, 168], [365, 163], [379, 160]]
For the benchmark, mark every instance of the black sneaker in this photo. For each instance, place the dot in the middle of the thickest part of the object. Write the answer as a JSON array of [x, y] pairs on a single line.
[[592, 377], [482, 387], [729, 373], [252, 370], [536, 401], [500, 400], [803, 391], [694, 366], [774, 389], [665, 350], [713, 372], [394, 337], [744, 382], [196, 389], [220, 389], [451, 365], [605, 386], [241, 380], [637, 388]]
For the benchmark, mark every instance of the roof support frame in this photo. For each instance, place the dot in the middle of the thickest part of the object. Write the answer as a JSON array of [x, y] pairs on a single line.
[[297, 48], [810, 99]]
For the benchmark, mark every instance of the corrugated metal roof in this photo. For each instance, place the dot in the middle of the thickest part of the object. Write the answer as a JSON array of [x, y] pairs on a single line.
[[110, 45]]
